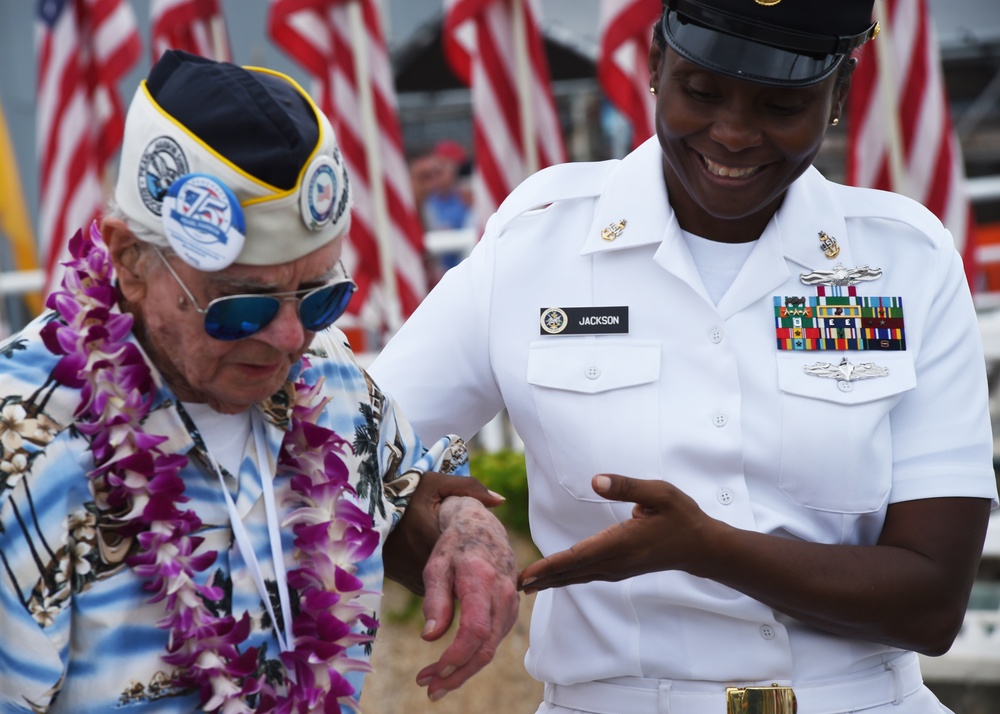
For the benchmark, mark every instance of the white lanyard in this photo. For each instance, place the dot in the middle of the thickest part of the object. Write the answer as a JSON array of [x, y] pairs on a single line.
[[273, 531]]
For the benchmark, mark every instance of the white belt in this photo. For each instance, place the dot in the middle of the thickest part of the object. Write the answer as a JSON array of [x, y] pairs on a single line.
[[633, 695]]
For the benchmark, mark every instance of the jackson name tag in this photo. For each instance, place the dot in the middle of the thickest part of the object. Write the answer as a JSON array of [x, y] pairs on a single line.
[[584, 320]]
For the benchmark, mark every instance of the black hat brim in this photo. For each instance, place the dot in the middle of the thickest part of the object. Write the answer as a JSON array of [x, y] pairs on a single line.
[[744, 58]]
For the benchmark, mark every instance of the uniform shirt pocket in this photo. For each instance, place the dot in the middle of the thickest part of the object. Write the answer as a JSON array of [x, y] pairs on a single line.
[[836, 441], [598, 405]]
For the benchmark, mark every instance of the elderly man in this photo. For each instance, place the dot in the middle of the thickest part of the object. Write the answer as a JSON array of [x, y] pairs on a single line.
[[198, 483]]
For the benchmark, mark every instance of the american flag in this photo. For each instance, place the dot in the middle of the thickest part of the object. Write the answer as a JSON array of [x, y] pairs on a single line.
[[623, 60], [83, 48], [340, 43], [900, 135], [195, 26], [495, 47]]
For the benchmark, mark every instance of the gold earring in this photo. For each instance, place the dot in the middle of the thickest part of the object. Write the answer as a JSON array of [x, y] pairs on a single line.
[[835, 121]]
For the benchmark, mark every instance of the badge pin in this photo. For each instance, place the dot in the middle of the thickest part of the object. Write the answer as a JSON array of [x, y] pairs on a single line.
[[829, 244], [203, 222], [841, 276], [614, 230], [846, 371]]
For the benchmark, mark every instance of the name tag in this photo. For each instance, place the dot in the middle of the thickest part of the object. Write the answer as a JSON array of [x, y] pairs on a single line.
[[584, 320]]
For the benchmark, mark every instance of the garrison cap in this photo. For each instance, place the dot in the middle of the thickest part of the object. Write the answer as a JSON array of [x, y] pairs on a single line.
[[786, 43], [230, 164]]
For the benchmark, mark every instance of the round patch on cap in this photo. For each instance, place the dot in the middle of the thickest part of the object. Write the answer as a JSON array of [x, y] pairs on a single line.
[[318, 199], [204, 222], [162, 163]]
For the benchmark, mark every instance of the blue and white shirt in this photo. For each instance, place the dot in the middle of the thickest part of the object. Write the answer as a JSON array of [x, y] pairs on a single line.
[[77, 631]]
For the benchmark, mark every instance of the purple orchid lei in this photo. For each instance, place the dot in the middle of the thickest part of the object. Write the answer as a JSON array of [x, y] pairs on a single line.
[[143, 490]]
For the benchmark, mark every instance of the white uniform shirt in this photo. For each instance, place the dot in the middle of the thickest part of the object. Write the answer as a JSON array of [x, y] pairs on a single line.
[[698, 395]]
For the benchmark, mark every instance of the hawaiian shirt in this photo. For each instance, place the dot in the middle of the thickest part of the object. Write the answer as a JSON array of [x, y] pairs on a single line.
[[77, 631]]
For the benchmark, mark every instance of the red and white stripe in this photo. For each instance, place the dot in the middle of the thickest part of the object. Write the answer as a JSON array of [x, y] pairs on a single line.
[[900, 131], [495, 47], [195, 26], [385, 250], [83, 47], [623, 60]]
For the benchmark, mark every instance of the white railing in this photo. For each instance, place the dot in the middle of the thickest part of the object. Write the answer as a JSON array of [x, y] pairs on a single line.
[[21, 281]]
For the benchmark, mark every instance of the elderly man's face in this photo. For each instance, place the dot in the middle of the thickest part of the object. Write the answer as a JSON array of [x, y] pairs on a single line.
[[228, 376]]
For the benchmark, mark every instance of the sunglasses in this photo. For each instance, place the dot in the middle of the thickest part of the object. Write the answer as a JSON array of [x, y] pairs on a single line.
[[235, 317]]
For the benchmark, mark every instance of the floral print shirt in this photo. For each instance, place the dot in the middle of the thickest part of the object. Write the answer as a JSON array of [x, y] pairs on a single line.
[[77, 631]]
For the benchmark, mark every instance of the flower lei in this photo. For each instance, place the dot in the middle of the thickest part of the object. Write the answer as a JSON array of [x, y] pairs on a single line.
[[143, 490]]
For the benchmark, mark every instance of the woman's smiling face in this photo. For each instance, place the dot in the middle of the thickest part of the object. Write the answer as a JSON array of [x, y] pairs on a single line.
[[731, 148]]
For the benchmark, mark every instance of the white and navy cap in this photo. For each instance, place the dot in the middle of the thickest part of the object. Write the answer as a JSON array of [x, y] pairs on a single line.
[[230, 164]]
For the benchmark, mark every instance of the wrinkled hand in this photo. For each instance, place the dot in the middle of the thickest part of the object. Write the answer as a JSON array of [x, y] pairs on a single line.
[[411, 542], [473, 562], [666, 532]]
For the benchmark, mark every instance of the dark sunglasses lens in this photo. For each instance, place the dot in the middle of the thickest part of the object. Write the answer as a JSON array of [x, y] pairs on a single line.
[[239, 317], [319, 309]]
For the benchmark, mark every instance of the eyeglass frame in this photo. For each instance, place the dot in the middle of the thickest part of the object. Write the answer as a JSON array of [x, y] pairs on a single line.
[[298, 295]]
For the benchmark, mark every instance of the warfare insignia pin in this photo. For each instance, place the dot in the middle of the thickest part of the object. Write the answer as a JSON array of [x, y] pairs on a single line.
[[841, 276], [846, 371], [829, 244], [614, 230]]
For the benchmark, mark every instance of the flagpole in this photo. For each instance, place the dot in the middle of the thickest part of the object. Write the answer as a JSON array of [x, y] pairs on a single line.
[[373, 156], [523, 68], [220, 42], [886, 83]]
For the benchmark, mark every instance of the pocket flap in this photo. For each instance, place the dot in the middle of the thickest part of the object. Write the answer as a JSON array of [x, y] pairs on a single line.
[[794, 379], [593, 366]]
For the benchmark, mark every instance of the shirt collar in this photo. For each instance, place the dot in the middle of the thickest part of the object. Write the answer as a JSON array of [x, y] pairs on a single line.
[[634, 194], [635, 191]]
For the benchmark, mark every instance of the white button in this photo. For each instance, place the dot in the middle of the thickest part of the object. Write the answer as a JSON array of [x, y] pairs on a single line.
[[717, 335], [845, 386], [767, 632], [593, 373], [720, 419], [725, 496]]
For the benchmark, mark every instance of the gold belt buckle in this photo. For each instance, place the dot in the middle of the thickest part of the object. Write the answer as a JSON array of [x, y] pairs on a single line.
[[761, 700]]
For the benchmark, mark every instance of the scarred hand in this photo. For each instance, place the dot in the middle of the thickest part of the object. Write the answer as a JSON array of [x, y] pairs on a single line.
[[667, 531], [473, 562]]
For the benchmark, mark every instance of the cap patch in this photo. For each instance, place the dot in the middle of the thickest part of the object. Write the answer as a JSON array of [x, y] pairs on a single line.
[[162, 163], [204, 222], [318, 200]]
